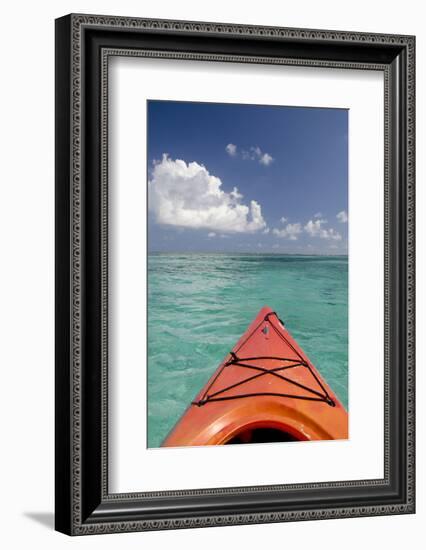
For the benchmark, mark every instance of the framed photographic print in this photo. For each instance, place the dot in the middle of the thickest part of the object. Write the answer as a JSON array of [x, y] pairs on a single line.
[[234, 274]]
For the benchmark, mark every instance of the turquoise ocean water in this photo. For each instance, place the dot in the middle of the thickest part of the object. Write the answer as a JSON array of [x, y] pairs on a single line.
[[200, 304]]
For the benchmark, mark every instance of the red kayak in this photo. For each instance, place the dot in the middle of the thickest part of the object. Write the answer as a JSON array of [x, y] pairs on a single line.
[[265, 390]]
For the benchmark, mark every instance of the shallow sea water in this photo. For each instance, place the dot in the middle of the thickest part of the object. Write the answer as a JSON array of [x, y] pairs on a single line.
[[200, 304]]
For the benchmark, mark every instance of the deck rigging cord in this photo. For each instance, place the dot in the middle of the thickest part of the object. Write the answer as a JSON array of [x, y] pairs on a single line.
[[235, 360]]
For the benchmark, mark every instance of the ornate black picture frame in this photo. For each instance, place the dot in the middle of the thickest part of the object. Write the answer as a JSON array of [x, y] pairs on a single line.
[[83, 45]]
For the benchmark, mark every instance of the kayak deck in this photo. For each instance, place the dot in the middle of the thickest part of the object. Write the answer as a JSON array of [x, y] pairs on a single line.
[[234, 370], [266, 389]]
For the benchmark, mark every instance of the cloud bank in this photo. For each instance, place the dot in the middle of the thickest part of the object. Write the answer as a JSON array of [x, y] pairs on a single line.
[[316, 229], [290, 231], [187, 195]]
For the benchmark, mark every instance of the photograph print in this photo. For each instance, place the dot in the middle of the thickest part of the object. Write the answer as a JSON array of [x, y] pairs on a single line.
[[247, 274]]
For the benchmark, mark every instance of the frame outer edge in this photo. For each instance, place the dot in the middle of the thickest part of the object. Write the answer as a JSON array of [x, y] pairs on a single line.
[[63, 495], [77, 258]]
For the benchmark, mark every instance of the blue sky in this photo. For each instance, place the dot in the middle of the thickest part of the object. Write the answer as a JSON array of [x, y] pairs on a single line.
[[247, 178]]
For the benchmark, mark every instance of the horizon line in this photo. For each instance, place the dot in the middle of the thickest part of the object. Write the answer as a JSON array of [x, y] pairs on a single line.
[[244, 252]]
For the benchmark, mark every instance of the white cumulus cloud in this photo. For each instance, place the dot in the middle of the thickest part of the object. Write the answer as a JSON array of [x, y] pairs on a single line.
[[253, 153], [316, 229], [187, 195], [231, 149], [290, 231], [265, 159], [342, 216]]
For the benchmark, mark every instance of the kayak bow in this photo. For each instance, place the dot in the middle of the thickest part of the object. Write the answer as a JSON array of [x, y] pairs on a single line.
[[265, 390]]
